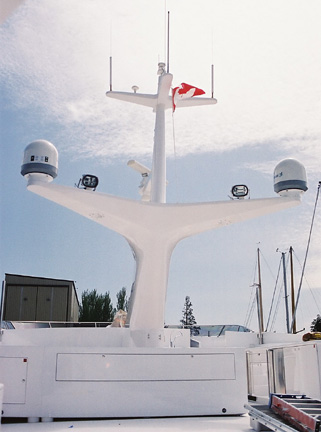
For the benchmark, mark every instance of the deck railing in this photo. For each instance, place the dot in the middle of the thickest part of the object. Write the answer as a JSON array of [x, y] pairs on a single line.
[[196, 330]]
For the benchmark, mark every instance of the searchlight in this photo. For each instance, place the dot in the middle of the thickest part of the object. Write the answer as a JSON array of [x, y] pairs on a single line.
[[240, 191], [88, 181]]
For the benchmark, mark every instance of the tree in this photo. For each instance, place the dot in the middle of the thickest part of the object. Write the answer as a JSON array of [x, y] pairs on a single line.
[[122, 301], [96, 307], [316, 324], [188, 319]]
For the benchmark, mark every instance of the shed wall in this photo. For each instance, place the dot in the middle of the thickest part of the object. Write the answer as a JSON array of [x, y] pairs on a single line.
[[40, 299]]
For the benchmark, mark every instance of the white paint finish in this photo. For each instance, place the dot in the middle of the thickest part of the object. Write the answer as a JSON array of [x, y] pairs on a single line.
[[164, 376], [257, 374], [175, 220], [153, 230], [13, 374], [221, 424], [145, 367], [158, 186], [144, 399], [151, 100], [108, 337], [148, 398], [136, 98], [302, 369]]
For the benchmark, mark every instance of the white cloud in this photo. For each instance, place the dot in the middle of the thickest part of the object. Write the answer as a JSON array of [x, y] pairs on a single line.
[[267, 74]]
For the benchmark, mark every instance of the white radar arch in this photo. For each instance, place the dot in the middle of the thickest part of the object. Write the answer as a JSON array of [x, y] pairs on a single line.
[[153, 228]]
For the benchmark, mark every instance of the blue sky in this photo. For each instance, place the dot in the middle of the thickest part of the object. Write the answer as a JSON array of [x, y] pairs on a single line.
[[54, 71]]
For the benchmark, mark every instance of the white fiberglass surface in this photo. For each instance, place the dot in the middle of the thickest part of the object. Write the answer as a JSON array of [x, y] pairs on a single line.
[[222, 424]]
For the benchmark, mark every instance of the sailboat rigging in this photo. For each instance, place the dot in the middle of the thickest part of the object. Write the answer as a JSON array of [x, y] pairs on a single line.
[[306, 255], [290, 326]]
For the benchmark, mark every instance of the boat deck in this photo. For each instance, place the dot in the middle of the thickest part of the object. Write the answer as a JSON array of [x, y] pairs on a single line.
[[223, 424]]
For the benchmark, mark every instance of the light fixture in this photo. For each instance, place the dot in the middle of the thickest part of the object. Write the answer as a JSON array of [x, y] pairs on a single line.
[[89, 181], [240, 191]]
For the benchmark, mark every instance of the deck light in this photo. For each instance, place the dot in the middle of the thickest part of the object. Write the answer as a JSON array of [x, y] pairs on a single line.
[[240, 191], [89, 181]]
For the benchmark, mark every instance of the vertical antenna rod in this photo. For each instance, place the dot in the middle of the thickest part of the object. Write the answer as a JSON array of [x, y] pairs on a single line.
[[110, 74], [168, 41], [212, 76], [260, 302], [292, 291], [285, 294]]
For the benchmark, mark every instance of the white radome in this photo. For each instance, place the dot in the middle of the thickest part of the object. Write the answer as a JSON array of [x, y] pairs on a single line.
[[40, 157], [290, 175]]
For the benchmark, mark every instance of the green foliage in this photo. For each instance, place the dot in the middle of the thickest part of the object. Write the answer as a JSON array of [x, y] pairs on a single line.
[[188, 319], [316, 324], [122, 301], [97, 307]]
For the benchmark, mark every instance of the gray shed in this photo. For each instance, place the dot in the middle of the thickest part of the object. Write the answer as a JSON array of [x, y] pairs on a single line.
[[28, 298]]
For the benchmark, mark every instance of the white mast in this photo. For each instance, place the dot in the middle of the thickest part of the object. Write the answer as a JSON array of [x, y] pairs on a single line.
[[158, 190], [153, 228]]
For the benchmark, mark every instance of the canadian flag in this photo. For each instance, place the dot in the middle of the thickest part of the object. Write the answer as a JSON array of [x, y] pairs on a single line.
[[185, 91]]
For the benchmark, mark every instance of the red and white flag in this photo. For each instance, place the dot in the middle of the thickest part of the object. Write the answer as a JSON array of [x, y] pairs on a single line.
[[185, 91]]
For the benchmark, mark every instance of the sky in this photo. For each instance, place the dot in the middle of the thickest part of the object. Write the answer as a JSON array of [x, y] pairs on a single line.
[[54, 73]]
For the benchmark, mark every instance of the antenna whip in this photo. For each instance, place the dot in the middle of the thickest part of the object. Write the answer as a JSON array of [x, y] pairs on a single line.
[[168, 41], [110, 73]]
